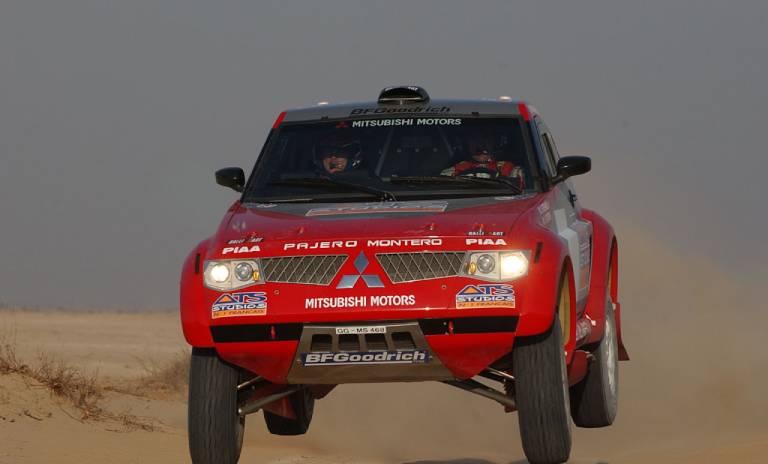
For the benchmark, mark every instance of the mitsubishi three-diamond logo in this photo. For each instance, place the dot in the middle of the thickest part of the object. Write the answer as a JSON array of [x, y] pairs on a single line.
[[371, 280]]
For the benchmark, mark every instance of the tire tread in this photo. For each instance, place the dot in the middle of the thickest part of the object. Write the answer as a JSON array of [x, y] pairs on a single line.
[[542, 414], [213, 435]]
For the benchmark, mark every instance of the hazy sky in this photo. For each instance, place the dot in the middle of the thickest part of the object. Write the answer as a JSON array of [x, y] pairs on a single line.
[[114, 115]]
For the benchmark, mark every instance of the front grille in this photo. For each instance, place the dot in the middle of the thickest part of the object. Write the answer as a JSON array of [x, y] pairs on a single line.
[[322, 342], [376, 342], [397, 340], [409, 267], [349, 342], [317, 270], [403, 341]]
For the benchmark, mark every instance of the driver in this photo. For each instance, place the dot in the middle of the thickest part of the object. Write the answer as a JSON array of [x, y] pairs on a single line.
[[337, 155], [482, 162]]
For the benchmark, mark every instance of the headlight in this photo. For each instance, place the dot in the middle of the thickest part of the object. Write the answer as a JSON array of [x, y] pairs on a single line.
[[486, 263], [219, 273], [244, 272], [496, 265], [231, 275], [513, 265]]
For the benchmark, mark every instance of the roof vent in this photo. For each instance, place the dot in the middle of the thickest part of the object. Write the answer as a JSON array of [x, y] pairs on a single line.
[[403, 94]]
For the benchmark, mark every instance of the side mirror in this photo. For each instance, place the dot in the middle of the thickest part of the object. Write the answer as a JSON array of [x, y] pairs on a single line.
[[571, 166], [233, 178]]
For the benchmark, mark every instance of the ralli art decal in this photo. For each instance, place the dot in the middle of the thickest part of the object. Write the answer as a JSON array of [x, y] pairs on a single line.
[[240, 304], [486, 296]]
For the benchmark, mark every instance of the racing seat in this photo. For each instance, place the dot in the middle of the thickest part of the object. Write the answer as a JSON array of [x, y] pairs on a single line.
[[413, 156]]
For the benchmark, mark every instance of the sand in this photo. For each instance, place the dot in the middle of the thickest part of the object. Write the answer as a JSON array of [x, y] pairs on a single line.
[[693, 392]]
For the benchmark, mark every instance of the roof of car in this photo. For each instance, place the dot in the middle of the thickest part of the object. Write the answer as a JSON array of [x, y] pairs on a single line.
[[429, 108]]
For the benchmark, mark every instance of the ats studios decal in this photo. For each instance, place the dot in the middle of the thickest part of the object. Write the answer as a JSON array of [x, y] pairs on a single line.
[[486, 296], [240, 304]]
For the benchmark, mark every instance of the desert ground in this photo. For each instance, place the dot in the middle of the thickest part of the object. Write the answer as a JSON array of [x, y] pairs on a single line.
[[85, 386]]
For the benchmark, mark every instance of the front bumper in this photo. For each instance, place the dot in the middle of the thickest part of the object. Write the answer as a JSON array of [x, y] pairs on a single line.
[[464, 324], [391, 351]]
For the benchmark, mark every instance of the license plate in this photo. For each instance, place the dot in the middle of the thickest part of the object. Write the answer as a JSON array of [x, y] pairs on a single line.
[[370, 329]]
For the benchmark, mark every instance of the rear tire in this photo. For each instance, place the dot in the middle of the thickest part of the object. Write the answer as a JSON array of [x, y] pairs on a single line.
[[215, 428], [541, 393], [303, 405], [595, 400]]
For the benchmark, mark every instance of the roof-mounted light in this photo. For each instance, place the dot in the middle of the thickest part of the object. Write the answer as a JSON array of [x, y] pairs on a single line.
[[403, 95]]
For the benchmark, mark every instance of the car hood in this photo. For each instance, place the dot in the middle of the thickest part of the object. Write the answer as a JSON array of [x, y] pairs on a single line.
[[403, 219]]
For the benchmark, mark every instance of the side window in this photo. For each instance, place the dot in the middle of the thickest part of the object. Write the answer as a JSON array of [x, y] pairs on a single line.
[[546, 146], [549, 147], [552, 146]]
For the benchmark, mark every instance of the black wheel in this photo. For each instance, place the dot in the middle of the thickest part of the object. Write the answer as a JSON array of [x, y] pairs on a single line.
[[303, 405], [215, 427], [541, 393], [595, 400]]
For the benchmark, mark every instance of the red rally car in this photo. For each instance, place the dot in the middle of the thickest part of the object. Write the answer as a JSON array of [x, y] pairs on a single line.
[[404, 239]]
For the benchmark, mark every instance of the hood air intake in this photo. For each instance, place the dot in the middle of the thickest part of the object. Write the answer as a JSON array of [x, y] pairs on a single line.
[[402, 95]]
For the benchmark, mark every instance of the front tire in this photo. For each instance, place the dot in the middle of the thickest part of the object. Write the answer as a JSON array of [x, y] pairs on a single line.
[[541, 393], [303, 404], [215, 428], [595, 400]]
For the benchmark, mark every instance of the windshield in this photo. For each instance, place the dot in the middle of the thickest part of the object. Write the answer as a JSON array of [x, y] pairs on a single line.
[[404, 158]]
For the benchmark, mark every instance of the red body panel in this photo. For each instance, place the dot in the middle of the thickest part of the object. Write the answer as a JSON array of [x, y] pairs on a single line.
[[604, 261], [516, 222], [194, 321], [467, 354], [271, 360]]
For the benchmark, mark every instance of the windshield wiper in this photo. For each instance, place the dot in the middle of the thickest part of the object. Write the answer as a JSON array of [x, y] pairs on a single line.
[[490, 181], [323, 182]]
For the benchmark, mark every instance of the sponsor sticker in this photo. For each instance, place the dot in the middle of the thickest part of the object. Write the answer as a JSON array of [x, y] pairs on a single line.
[[240, 304], [523, 196], [375, 301], [486, 241], [327, 245], [407, 122], [384, 243], [495, 233], [545, 213], [543, 207], [486, 296], [390, 110], [379, 208], [240, 249], [370, 329], [365, 357]]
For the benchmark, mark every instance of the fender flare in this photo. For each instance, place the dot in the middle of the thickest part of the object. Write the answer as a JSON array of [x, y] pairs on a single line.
[[604, 279], [194, 321], [545, 309]]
